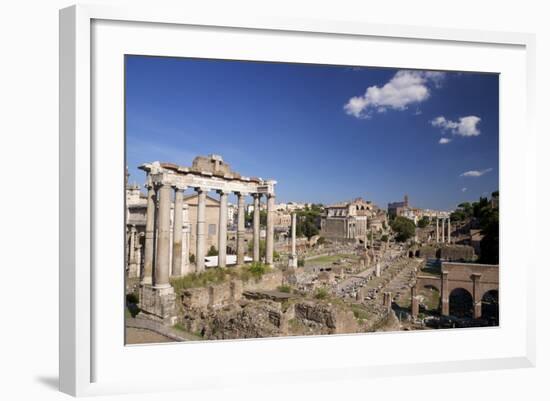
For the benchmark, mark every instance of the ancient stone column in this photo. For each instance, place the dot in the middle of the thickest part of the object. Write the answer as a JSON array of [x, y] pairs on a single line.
[[443, 231], [132, 267], [293, 256], [414, 302], [147, 277], [444, 293], [222, 232], [162, 267], [177, 236], [256, 224], [201, 230], [138, 258], [476, 278], [270, 232], [448, 231], [437, 230], [377, 270], [240, 228], [293, 234], [388, 301], [186, 242]]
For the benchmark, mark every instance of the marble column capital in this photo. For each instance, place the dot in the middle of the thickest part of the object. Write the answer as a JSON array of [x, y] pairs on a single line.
[[179, 188], [201, 189], [222, 192]]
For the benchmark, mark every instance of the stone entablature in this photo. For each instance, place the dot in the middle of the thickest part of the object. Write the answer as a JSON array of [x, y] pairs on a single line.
[[184, 177]]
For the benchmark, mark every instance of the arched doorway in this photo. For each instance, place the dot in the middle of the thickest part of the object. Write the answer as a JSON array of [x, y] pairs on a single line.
[[489, 307], [461, 303]]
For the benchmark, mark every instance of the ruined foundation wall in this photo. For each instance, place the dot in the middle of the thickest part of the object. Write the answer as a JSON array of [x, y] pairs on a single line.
[[457, 252], [219, 295]]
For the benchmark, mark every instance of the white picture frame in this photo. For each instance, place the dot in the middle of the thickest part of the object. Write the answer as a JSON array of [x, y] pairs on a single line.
[[85, 355]]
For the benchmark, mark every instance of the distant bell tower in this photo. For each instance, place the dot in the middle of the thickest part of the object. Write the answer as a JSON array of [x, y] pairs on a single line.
[[406, 200]]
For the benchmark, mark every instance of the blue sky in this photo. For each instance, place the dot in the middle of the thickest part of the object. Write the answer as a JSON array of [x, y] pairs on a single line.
[[325, 133]]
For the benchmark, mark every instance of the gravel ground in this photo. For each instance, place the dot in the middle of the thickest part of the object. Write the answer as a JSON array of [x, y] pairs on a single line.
[[143, 336]]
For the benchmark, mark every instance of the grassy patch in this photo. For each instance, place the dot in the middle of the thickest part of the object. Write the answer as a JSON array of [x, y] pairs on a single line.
[[195, 280], [253, 271], [321, 293], [219, 275], [328, 259], [360, 313], [431, 298], [284, 288], [179, 326]]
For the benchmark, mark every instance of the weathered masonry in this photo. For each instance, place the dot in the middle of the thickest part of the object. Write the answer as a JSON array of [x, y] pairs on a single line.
[[470, 284], [207, 174]]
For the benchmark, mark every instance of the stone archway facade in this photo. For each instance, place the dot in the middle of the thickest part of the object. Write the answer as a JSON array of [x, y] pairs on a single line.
[[475, 278]]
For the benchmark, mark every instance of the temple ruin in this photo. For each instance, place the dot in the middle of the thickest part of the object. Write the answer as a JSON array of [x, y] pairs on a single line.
[[165, 239]]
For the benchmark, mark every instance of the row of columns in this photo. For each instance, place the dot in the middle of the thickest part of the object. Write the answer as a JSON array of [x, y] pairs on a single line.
[[157, 232], [437, 234]]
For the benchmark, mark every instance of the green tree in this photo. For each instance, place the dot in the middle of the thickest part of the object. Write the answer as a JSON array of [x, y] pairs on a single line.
[[212, 251], [423, 222], [249, 218], [308, 221], [403, 227]]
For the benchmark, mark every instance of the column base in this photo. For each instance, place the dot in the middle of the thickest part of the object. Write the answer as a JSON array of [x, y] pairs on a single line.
[[159, 303], [293, 261]]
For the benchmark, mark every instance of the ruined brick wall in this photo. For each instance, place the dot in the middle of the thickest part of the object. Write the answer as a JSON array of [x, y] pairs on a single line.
[[334, 228], [457, 252], [219, 295], [428, 252], [269, 282]]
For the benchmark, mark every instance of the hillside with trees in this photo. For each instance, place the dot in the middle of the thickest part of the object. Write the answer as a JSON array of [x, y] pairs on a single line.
[[484, 215]]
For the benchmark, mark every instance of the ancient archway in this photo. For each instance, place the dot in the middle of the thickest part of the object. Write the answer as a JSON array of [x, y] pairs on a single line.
[[489, 306], [461, 303]]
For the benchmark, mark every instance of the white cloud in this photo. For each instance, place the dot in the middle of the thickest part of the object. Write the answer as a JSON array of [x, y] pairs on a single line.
[[465, 126], [464, 189], [443, 141], [405, 88], [476, 173]]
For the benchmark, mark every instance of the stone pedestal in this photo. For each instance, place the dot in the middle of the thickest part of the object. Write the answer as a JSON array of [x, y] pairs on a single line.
[[159, 303]]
